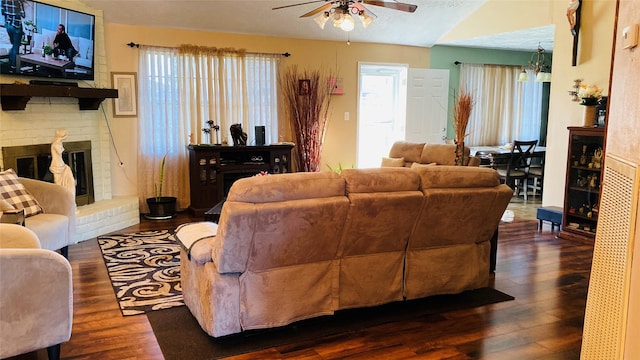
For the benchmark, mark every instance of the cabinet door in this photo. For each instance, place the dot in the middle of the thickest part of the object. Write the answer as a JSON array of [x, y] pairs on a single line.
[[582, 188]]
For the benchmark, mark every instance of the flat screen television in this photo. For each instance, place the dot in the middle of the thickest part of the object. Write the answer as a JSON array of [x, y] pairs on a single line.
[[34, 31]]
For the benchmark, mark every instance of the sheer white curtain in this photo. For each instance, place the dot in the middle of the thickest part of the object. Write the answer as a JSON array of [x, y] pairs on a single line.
[[181, 89], [504, 109], [160, 129], [262, 70]]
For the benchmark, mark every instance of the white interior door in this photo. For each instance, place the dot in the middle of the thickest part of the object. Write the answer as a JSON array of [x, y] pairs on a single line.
[[381, 110], [427, 104]]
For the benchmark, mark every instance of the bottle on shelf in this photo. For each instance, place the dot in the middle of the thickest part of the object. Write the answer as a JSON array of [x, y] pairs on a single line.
[[43, 49], [583, 157]]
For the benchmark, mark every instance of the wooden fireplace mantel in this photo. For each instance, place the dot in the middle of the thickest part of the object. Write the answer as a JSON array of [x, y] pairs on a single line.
[[16, 96]]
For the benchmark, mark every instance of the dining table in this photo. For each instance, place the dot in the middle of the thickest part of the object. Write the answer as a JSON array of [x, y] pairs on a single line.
[[494, 155]]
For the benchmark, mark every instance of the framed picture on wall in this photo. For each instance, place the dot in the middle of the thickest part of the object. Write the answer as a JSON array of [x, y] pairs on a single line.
[[125, 105], [304, 87]]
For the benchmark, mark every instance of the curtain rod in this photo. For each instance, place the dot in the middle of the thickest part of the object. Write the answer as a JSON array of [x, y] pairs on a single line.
[[460, 63], [132, 45]]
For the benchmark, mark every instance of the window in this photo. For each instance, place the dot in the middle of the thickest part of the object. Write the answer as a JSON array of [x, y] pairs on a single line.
[[504, 109], [180, 90]]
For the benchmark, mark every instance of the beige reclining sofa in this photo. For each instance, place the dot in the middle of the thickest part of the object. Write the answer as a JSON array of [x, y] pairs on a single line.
[[295, 246], [407, 153]]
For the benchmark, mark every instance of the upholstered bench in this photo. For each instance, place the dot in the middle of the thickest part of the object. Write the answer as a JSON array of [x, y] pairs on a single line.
[[552, 214]]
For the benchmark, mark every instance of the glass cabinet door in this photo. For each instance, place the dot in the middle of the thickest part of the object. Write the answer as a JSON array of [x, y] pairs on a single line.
[[584, 176]]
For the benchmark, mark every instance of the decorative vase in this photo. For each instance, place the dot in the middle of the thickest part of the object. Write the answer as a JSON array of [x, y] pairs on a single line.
[[459, 153], [589, 116]]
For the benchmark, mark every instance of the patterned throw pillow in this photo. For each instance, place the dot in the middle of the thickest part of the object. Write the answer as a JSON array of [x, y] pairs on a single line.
[[12, 190]]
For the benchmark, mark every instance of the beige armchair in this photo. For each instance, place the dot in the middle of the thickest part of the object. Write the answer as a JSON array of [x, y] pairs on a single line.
[[36, 295], [56, 227]]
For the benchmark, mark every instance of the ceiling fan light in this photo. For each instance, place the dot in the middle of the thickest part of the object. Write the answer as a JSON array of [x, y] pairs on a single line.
[[322, 19], [523, 77], [365, 18], [347, 23]]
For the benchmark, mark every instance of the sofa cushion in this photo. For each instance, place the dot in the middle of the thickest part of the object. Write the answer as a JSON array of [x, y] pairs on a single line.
[[52, 230], [442, 154], [392, 162], [284, 187], [380, 180], [457, 177], [411, 151], [12, 190], [418, 165]]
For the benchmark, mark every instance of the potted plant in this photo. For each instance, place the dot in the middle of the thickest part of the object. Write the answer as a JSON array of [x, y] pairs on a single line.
[[47, 50], [161, 207]]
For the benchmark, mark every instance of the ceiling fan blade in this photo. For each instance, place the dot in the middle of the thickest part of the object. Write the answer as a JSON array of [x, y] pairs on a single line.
[[392, 5], [303, 3], [322, 8]]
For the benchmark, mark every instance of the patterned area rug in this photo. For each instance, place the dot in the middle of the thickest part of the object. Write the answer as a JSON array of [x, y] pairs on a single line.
[[144, 269]]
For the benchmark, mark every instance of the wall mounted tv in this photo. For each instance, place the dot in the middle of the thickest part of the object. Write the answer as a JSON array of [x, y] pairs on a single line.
[[28, 41]]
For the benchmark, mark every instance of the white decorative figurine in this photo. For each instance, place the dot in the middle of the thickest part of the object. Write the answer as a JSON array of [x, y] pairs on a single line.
[[62, 174]]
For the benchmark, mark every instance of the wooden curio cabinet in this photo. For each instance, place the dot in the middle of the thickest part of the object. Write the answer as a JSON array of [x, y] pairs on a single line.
[[585, 164]]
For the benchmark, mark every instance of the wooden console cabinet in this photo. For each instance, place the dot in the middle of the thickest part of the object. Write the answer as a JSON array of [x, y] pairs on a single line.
[[585, 163], [214, 168]]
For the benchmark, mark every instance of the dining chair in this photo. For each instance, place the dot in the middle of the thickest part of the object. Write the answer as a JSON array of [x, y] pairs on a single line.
[[535, 175], [515, 172]]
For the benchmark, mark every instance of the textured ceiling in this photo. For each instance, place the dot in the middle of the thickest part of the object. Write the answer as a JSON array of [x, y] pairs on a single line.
[[432, 20]]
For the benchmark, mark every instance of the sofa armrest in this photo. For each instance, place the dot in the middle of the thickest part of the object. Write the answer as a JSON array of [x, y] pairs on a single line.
[[53, 198], [44, 278], [16, 236]]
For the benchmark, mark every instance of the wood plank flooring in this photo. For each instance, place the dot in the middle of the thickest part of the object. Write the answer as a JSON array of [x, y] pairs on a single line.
[[547, 276]]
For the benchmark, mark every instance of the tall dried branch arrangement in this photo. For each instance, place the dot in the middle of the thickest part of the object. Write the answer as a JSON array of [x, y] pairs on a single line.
[[307, 113], [461, 112]]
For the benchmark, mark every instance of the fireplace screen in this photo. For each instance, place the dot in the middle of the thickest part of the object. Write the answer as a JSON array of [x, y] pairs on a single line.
[[32, 161]]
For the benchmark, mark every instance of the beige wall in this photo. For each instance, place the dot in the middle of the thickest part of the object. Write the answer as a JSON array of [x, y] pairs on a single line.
[[593, 66], [340, 141]]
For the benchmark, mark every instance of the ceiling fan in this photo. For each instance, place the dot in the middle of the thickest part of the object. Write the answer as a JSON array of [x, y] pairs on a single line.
[[342, 11]]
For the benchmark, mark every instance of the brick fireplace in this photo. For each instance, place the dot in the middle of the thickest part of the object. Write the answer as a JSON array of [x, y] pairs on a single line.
[[33, 161], [38, 123]]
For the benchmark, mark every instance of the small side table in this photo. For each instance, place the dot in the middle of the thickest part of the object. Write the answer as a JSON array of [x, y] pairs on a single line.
[[15, 216], [213, 214]]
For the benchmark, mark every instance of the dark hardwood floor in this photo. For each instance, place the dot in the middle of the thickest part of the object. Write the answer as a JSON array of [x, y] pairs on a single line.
[[547, 276]]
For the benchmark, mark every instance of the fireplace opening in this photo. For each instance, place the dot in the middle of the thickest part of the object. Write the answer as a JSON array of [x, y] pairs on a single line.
[[32, 161]]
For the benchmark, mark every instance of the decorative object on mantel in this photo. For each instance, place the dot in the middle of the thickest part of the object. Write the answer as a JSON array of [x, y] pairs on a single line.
[[62, 174], [209, 131], [239, 137], [308, 114], [461, 112]]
